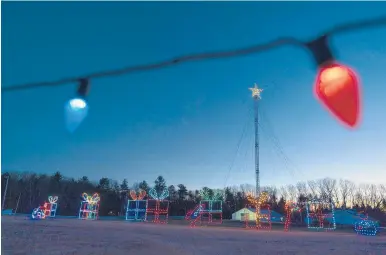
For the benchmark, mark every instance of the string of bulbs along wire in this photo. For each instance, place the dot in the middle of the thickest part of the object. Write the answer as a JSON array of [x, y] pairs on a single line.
[[319, 47]]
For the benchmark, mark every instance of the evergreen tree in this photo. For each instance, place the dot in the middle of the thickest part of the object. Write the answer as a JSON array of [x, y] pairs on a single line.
[[124, 185], [104, 183], [173, 195], [281, 206], [160, 185], [182, 192], [144, 186]]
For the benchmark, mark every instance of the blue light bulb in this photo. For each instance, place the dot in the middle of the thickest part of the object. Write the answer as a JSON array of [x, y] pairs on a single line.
[[76, 111]]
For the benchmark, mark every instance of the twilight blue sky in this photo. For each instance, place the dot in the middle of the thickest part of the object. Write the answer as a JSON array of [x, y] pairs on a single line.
[[184, 122]]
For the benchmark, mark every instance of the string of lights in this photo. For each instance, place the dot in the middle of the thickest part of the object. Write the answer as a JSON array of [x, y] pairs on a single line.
[[260, 202], [316, 215], [51, 207], [315, 45], [136, 206], [158, 207], [89, 206]]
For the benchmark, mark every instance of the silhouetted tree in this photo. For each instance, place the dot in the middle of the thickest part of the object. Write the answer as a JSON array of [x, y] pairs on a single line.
[[160, 185], [182, 192], [144, 186], [173, 195], [124, 185]]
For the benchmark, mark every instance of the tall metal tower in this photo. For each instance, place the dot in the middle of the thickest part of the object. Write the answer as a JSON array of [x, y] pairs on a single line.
[[256, 95]]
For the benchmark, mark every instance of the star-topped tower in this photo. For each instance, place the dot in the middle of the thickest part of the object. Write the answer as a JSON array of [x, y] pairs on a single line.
[[256, 92], [256, 95]]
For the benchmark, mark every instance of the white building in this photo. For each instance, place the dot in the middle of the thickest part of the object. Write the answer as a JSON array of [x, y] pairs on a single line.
[[250, 214]]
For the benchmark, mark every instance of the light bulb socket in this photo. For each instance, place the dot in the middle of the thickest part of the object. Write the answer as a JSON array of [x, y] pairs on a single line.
[[321, 51], [83, 88]]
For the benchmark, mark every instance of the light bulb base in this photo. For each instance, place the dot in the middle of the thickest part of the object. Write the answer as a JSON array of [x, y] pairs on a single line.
[[321, 51]]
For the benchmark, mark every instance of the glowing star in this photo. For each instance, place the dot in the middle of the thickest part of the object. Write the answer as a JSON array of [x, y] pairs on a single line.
[[337, 87], [256, 92]]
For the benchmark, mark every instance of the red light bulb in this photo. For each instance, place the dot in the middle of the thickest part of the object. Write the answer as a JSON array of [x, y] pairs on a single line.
[[337, 88]]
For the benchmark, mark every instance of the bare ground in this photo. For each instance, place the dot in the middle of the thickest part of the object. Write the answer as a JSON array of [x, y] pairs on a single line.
[[73, 236]]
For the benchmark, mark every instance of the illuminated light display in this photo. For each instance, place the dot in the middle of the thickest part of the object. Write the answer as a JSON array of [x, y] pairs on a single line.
[[38, 213], [260, 203], [153, 193], [141, 194], [136, 207], [194, 215], [290, 207], [157, 209], [51, 206], [211, 206], [317, 212], [48, 209], [365, 227], [337, 87], [89, 207]]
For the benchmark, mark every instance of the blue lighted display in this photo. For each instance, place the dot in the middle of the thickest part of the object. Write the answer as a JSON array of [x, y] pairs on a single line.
[[365, 227]]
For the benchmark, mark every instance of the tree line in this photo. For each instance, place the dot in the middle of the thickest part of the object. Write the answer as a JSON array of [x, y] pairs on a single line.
[[28, 190]]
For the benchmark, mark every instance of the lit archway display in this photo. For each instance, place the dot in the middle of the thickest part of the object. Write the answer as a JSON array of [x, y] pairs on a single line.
[[157, 209], [136, 206], [318, 212], [89, 207]]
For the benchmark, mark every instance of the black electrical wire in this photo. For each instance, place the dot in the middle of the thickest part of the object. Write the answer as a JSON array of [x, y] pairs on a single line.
[[380, 21], [280, 153], [276, 143], [250, 147], [237, 148], [277, 149]]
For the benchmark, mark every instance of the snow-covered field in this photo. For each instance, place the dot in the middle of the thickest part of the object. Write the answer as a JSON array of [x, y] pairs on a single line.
[[73, 236]]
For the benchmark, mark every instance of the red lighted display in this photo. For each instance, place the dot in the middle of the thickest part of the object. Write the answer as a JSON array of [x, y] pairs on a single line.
[[337, 87]]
